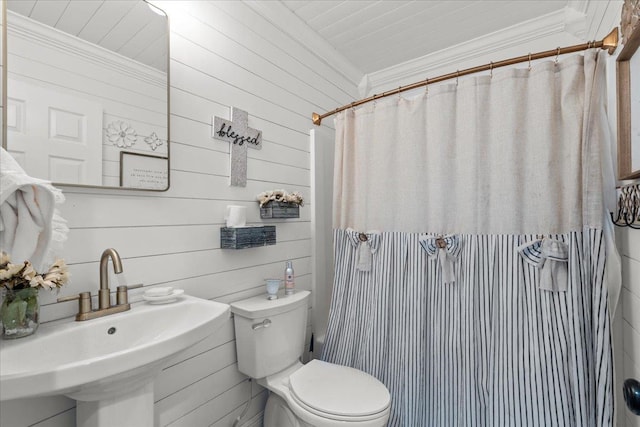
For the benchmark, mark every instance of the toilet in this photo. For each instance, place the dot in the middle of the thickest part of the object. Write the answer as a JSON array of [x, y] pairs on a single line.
[[270, 339]]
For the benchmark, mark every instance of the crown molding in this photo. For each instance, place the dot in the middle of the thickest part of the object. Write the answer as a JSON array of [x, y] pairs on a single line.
[[564, 20], [579, 5], [34, 31], [289, 23]]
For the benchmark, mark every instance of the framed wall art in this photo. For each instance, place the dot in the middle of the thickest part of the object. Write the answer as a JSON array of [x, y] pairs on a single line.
[[143, 171]]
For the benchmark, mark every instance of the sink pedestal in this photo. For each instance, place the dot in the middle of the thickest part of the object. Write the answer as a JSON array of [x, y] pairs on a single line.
[[132, 408]]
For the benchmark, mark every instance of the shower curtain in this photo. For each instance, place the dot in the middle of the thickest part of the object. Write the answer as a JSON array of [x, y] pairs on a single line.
[[469, 249]]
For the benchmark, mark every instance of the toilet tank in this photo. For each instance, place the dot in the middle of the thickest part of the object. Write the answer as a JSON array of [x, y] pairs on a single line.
[[270, 334]]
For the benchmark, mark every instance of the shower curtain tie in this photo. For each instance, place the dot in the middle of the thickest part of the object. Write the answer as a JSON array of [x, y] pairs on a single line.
[[446, 250], [551, 257], [367, 244]]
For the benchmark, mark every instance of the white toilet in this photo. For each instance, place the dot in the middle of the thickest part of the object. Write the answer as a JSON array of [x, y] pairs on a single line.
[[270, 338]]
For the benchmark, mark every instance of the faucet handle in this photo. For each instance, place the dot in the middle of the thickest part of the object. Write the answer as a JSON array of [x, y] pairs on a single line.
[[84, 301], [122, 296]]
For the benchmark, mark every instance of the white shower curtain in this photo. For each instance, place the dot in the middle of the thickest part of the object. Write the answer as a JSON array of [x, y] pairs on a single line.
[[470, 252]]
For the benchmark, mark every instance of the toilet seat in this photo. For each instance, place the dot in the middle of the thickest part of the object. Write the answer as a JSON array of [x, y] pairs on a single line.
[[338, 392]]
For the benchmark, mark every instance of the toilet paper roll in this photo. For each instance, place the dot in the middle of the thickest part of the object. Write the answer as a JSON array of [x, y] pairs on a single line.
[[236, 216]]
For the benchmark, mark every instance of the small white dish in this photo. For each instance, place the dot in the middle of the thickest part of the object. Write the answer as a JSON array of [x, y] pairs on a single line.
[[163, 299], [160, 291]]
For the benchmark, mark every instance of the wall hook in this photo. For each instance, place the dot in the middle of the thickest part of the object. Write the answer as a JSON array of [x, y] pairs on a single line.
[[628, 209]]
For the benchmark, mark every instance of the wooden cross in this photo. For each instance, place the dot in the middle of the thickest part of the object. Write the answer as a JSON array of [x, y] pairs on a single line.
[[240, 135]]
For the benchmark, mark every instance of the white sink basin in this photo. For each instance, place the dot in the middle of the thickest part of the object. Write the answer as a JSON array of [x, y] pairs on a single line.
[[102, 358]]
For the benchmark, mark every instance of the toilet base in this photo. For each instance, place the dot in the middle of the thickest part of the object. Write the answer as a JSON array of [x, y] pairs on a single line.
[[278, 414]]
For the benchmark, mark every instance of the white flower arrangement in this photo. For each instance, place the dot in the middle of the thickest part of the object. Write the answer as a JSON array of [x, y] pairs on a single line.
[[22, 276], [280, 196]]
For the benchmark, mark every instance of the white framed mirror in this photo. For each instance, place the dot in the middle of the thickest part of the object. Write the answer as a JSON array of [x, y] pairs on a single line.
[[87, 82]]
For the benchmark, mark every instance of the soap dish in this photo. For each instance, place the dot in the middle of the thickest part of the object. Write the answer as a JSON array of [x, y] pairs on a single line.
[[163, 299], [159, 291]]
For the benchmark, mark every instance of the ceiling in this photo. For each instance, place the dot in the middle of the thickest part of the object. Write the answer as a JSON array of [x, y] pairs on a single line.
[[127, 27], [374, 35], [370, 35]]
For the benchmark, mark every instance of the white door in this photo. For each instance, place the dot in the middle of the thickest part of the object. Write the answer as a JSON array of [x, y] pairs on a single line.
[[54, 135]]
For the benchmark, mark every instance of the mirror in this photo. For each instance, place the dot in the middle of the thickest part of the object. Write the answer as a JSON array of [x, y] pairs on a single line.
[[88, 92], [628, 81]]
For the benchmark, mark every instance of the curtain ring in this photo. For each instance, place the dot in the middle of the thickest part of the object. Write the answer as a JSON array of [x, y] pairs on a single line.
[[399, 98], [491, 69], [351, 106], [375, 101], [426, 85], [529, 61], [557, 56], [457, 76]]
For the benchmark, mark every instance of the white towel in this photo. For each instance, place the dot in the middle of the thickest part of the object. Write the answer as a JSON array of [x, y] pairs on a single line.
[[30, 226]]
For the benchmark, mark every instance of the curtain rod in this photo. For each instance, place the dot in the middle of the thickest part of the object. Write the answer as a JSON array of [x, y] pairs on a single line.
[[610, 42]]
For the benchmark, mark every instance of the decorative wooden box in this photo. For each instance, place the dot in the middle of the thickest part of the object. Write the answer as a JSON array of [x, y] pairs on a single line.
[[275, 209], [247, 237]]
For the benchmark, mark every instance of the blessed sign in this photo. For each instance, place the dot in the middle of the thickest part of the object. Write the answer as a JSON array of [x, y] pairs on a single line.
[[238, 133]]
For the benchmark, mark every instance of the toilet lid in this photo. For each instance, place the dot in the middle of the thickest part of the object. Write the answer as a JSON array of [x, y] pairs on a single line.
[[338, 390]]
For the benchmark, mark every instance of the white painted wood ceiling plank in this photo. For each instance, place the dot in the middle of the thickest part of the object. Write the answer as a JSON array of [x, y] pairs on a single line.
[[473, 18], [378, 34], [368, 21], [127, 27], [48, 12], [367, 51], [341, 16], [76, 15], [378, 24], [23, 7], [313, 8], [476, 21], [108, 15], [112, 24], [294, 5]]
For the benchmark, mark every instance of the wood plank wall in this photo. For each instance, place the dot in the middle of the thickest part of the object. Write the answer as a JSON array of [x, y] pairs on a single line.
[[222, 54], [628, 241]]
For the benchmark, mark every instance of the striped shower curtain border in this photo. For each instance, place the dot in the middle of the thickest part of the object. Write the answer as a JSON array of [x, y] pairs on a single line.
[[490, 349]]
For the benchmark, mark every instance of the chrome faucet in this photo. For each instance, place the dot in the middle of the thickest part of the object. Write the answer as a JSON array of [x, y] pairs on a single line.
[[85, 311], [104, 300]]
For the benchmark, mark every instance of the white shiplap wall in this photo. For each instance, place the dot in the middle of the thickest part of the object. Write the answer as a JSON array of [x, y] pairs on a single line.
[[223, 54], [629, 246]]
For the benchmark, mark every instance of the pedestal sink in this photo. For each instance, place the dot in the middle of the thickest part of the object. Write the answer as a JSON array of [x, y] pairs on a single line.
[[108, 365]]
